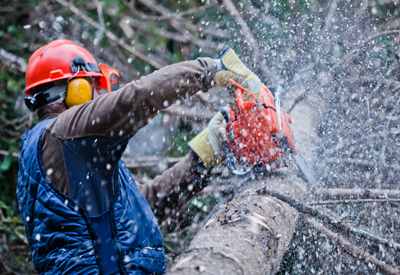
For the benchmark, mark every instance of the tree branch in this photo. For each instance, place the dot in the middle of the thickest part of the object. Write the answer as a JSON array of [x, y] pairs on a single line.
[[339, 193], [187, 23], [349, 54], [99, 6], [230, 7], [351, 248], [114, 44], [363, 163], [4, 220], [353, 201], [170, 15], [110, 35], [12, 61], [5, 153], [305, 209], [149, 161], [159, 31], [183, 30]]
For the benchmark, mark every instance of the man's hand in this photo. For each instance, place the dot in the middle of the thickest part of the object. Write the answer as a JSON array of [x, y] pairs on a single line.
[[231, 91], [217, 134], [229, 66], [208, 144]]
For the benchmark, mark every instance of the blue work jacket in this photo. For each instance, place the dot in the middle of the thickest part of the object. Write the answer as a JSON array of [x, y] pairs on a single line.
[[125, 239]]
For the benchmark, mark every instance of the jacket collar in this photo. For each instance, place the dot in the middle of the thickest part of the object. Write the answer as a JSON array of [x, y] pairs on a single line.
[[48, 116]]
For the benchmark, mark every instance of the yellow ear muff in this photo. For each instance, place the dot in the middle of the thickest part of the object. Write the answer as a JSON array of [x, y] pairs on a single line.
[[78, 92]]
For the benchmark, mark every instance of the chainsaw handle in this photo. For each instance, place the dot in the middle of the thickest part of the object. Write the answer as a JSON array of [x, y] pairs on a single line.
[[229, 160], [239, 96], [239, 99], [226, 115], [228, 154], [242, 88]]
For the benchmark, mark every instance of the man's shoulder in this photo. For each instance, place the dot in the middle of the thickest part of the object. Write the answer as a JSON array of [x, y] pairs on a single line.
[[37, 129]]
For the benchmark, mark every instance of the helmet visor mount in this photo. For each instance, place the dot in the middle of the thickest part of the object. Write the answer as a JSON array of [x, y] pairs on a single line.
[[78, 63], [48, 96], [110, 79]]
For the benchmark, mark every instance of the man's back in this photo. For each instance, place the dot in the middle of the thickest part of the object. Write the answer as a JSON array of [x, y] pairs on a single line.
[[60, 232]]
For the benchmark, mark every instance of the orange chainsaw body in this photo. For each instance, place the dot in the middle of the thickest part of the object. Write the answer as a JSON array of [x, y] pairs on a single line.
[[254, 136]]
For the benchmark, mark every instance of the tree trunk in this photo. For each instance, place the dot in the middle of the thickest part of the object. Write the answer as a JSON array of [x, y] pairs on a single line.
[[248, 235]]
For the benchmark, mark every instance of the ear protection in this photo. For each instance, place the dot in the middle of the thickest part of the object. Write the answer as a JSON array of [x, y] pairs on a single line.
[[78, 92]]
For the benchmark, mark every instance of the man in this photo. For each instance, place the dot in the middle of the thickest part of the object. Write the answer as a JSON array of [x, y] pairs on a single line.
[[82, 210]]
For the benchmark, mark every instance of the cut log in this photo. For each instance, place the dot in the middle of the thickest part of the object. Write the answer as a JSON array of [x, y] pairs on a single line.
[[248, 235]]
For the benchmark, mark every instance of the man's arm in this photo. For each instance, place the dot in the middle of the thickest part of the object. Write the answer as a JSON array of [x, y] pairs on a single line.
[[119, 115], [175, 186], [122, 113]]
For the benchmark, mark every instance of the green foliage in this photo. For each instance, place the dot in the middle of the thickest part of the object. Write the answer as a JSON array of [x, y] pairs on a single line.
[[14, 249], [6, 163]]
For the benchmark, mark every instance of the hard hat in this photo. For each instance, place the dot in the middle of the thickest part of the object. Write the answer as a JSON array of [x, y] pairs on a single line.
[[58, 60], [64, 59]]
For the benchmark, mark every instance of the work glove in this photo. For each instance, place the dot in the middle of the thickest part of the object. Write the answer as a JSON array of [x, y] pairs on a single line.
[[230, 66], [208, 144], [231, 91]]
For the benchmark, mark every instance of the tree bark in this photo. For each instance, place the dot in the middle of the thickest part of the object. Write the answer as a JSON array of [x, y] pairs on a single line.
[[248, 235]]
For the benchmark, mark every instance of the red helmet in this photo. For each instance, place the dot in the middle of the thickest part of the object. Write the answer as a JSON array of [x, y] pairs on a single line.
[[59, 60]]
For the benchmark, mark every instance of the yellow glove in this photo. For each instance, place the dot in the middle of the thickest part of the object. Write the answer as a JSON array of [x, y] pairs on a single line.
[[229, 66], [208, 144], [231, 91]]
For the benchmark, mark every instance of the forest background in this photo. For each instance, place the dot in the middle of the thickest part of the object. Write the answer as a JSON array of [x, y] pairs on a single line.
[[342, 57]]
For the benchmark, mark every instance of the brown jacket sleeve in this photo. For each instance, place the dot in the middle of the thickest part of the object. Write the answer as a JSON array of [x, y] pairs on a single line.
[[122, 113], [175, 186]]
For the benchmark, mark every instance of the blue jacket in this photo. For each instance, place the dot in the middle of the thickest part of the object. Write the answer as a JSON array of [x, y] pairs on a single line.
[[125, 239]]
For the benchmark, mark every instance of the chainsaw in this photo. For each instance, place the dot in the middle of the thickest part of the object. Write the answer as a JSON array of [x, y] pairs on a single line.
[[259, 136]]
